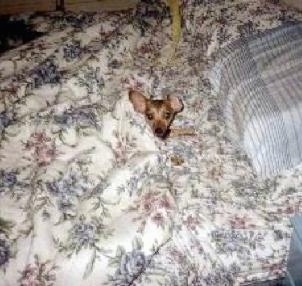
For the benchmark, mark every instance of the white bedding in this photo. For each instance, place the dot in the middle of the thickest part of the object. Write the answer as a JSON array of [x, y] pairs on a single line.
[[88, 196]]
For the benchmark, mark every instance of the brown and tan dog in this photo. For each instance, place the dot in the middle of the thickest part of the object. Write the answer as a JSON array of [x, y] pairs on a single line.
[[159, 112]]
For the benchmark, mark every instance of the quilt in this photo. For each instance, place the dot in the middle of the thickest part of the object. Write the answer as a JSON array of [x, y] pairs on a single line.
[[88, 196]]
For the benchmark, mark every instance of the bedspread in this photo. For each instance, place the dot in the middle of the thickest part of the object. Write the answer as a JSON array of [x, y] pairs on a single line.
[[88, 196]]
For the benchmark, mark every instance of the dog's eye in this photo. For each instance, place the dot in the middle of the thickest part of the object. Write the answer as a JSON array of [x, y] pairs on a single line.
[[149, 116], [167, 115]]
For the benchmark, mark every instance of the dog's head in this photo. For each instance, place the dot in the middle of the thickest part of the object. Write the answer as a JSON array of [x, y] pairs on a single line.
[[159, 113]]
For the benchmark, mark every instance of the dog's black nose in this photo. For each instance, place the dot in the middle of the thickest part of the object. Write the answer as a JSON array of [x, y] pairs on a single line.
[[159, 132]]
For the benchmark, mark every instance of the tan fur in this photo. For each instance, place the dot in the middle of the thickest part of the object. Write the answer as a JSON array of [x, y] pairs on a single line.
[[159, 113]]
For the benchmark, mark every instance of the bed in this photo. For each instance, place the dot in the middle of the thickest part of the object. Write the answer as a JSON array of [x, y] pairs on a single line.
[[88, 196]]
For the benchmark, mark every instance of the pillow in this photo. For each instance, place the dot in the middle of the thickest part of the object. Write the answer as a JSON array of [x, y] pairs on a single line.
[[259, 84]]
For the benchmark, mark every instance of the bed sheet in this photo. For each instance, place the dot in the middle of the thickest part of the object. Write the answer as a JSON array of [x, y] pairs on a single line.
[[88, 196]]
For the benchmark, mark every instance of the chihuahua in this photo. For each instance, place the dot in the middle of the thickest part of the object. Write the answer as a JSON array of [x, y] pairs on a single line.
[[159, 113]]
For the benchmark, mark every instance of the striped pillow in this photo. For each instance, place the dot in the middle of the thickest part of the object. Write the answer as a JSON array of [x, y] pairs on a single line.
[[259, 84]]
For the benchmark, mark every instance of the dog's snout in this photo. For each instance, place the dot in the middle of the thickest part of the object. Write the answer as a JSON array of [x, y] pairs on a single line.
[[159, 131]]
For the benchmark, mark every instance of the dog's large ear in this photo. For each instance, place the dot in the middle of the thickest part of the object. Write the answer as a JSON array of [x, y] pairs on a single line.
[[175, 103], [138, 100]]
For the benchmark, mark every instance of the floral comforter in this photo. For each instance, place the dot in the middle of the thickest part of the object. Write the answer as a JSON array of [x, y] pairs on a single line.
[[88, 196]]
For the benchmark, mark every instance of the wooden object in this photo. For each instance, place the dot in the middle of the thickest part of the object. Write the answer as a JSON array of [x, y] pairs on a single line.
[[99, 5], [293, 3], [22, 6]]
